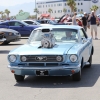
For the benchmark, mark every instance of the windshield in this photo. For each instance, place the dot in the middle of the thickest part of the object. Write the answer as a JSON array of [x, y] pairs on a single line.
[[60, 35]]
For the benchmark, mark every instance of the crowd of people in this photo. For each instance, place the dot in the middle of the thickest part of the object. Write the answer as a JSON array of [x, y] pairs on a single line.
[[88, 21]]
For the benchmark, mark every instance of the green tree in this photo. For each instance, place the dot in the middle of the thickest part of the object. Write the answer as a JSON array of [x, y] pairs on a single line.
[[94, 8], [50, 11], [7, 12], [65, 10], [2, 14], [72, 5]]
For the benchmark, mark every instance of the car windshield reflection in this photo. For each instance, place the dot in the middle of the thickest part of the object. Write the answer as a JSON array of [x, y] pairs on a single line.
[[60, 35]]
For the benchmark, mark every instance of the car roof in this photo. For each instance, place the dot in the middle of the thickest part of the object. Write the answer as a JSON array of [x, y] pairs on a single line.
[[60, 26]]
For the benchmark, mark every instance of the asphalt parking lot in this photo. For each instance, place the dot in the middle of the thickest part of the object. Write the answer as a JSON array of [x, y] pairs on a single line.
[[50, 88]]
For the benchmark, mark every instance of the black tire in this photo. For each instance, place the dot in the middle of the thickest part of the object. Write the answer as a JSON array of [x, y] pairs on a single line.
[[90, 62], [5, 43], [77, 76], [19, 78]]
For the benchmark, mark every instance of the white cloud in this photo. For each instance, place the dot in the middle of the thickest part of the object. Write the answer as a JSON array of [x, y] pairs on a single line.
[[13, 2]]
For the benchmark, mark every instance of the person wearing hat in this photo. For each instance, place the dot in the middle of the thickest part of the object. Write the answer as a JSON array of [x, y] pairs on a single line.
[[93, 19], [84, 21]]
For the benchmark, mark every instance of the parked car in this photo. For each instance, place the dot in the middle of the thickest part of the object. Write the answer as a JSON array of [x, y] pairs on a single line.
[[2, 39], [58, 50], [32, 22], [23, 28], [49, 21], [10, 35]]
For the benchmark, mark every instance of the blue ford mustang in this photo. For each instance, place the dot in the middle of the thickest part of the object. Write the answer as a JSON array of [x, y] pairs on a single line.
[[58, 50], [23, 28]]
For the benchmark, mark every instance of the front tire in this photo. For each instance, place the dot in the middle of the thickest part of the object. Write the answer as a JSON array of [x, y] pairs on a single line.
[[77, 76], [19, 78], [90, 62]]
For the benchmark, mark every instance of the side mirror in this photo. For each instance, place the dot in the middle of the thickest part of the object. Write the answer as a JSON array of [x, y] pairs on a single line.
[[84, 40]]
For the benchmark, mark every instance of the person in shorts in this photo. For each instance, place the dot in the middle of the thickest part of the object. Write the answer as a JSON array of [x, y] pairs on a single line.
[[92, 19]]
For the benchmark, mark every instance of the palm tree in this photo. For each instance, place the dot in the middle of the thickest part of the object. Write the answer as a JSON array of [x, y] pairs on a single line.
[[36, 11], [72, 5], [94, 8], [50, 10], [64, 10], [2, 13], [7, 12]]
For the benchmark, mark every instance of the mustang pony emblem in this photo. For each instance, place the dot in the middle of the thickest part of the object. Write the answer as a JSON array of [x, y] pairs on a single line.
[[42, 58]]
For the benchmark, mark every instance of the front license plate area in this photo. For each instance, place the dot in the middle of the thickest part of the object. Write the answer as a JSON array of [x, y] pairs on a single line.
[[42, 73]]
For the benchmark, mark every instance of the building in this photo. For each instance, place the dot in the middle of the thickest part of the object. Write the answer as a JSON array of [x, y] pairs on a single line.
[[58, 7]]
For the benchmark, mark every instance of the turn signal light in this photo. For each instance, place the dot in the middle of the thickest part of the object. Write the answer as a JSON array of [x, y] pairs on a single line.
[[73, 71], [12, 71]]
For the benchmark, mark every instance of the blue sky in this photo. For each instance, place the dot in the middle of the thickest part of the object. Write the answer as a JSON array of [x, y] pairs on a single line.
[[15, 5]]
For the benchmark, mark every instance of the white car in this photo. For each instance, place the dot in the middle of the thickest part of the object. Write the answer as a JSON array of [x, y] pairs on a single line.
[[32, 22]]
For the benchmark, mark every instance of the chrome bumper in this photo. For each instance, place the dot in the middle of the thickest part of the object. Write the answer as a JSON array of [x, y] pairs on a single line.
[[42, 67]]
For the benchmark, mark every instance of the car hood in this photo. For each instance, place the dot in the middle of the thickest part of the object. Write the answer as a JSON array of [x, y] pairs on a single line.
[[32, 49], [7, 30]]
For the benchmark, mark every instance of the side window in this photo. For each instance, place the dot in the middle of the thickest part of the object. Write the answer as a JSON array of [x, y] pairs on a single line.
[[11, 23], [29, 22], [82, 34], [17, 24]]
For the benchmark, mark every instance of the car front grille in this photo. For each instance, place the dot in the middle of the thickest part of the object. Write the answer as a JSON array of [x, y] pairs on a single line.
[[43, 58]]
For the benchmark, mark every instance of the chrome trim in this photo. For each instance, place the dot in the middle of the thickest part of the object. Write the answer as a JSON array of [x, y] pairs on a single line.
[[57, 67]]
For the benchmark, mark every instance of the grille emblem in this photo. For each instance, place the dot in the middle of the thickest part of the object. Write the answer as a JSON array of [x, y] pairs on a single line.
[[40, 58]]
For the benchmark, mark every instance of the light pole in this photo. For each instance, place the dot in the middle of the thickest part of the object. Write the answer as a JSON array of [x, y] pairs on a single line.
[[35, 9]]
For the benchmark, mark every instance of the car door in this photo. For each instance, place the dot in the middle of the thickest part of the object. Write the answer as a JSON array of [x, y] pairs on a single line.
[[20, 27], [85, 43]]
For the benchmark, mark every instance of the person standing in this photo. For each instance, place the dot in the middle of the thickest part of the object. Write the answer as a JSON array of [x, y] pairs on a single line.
[[74, 19], [84, 21], [92, 19]]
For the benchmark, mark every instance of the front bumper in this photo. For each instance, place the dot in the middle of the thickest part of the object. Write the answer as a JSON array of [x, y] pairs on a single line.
[[64, 70]]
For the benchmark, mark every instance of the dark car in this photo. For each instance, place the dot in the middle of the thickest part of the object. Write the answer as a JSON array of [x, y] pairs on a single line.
[[23, 28], [9, 35], [2, 39]]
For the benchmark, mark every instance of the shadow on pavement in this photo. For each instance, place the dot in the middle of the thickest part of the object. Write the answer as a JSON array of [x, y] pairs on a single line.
[[89, 78], [4, 51]]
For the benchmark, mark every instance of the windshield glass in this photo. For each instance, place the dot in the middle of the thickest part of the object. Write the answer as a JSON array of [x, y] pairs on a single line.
[[60, 35]]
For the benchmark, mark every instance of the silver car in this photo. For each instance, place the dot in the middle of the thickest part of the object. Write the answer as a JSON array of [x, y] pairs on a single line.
[[10, 35]]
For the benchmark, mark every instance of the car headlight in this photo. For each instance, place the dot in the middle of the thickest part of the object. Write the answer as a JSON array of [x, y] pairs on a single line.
[[12, 58], [59, 58], [73, 58], [23, 58]]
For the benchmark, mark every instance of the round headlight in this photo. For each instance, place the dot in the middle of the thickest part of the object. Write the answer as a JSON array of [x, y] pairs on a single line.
[[59, 58], [12, 58], [73, 58], [23, 58]]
